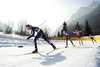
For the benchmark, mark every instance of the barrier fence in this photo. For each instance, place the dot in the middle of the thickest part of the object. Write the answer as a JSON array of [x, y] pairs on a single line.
[[97, 38]]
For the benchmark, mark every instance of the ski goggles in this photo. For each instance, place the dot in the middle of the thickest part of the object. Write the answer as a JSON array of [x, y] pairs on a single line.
[[27, 27]]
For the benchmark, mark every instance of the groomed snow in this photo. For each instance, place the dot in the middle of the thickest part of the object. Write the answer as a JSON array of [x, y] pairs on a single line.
[[80, 56]]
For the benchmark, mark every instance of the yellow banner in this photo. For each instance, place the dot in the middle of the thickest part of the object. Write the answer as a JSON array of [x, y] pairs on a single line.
[[97, 38]]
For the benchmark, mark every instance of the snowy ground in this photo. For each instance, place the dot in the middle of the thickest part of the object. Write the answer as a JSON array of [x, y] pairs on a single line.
[[81, 56]]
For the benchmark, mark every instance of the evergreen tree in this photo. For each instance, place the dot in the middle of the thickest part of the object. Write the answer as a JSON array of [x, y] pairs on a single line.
[[58, 35], [87, 28], [65, 28], [78, 27]]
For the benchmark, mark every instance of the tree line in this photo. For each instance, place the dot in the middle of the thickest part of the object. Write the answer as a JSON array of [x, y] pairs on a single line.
[[85, 30], [20, 30]]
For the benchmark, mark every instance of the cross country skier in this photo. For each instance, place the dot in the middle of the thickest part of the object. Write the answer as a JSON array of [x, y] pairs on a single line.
[[39, 33], [92, 38], [67, 35], [78, 36]]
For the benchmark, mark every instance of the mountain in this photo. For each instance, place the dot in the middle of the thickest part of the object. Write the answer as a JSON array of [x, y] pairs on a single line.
[[90, 13], [83, 11], [93, 19]]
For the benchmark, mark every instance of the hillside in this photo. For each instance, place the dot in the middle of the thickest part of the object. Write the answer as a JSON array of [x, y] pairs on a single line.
[[84, 11], [93, 19], [90, 13]]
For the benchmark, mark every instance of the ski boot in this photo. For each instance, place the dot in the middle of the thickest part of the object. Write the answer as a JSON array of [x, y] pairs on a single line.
[[54, 47], [66, 46], [73, 45], [35, 51]]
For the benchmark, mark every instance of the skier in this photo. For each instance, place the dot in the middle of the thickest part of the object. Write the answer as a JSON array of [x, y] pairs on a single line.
[[92, 38], [78, 36], [67, 35], [39, 33]]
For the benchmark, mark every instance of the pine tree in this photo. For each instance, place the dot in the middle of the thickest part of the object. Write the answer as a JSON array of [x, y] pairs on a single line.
[[65, 28], [87, 28], [78, 27], [58, 35]]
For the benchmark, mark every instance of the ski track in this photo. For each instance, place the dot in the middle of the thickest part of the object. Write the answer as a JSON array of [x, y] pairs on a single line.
[[80, 56]]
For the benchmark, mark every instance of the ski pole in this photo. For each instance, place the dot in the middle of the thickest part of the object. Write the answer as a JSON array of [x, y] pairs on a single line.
[[43, 22]]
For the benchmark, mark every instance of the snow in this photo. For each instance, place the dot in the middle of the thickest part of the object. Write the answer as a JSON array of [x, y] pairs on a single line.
[[80, 56]]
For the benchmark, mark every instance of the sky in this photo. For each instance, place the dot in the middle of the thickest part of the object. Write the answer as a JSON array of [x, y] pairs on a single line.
[[35, 12]]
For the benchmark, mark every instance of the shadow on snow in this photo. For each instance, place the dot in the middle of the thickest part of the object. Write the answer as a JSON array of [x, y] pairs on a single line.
[[51, 59], [98, 58]]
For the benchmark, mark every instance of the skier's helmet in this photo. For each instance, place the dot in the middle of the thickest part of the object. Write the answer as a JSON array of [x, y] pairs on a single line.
[[28, 26]]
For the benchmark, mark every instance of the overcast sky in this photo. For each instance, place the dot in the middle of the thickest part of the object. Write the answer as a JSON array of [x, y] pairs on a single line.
[[37, 11]]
